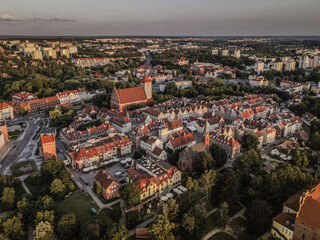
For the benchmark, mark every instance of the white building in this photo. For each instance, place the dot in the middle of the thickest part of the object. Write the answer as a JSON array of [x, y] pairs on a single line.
[[237, 54], [259, 67]]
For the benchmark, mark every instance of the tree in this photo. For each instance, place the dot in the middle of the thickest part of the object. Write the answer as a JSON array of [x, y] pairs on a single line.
[[192, 184], [58, 189], [45, 216], [44, 231], [188, 223], [219, 155], [137, 155], [56, 113], [131, 194], [116, 213], [91, 230], [117, 232], [223, 214], [249, 142], [193, 222], [227, 187], [248, 163], [169, 209], [47, 203], [207, 181], [13, 228], [315, 141], [259, 216], [8, 196], [300, 159], [161, 229], [98, 188], [67, 227], [22, 111], [204, 162]]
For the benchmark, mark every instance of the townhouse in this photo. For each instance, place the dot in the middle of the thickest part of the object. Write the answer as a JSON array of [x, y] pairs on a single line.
[[93, 152], [228, 143], [153, 178], [149, 143]]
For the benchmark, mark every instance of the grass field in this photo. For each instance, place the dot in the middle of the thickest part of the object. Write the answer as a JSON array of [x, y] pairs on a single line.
[[80, 205], [221, 236], [22, 168], [210, 222]]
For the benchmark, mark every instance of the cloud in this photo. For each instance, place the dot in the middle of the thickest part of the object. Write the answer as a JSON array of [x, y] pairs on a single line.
[[58, 19], [7, 18]]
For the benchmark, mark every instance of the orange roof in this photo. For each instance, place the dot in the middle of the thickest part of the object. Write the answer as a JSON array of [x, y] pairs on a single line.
[[47, 138], [146, 79], [182, 140], [131, 95], [4, 105], [310, 212]]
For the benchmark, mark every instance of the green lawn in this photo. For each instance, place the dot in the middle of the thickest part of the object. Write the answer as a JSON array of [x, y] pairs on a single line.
[[222, 236], [210, 222], [22, 168], [80, 205]]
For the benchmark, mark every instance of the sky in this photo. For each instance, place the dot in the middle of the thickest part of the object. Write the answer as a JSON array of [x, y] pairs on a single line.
[[160, 17]]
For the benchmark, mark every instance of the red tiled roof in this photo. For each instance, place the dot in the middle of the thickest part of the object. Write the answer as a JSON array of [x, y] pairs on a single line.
[[182, 140], [146, 79], [4, 105], [309, 213], [47, 138], [131, 95]]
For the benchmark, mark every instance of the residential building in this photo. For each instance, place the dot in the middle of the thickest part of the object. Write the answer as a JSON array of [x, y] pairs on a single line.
[[2, 140], [277, 66], [23, 97], [90, 153], [299, 218], [123, 125], [4, 130], [258, 81], [48, 146], [225, 52], [6, 111], [228, 143], [109, 185], [237, 54], [149, 143], [153, 178], [169, 127], [269, 135], [259, 67], [179, 142], [290, 65]]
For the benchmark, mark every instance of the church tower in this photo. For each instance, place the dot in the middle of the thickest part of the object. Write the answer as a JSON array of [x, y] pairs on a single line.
[[206, 136], [146, 83]]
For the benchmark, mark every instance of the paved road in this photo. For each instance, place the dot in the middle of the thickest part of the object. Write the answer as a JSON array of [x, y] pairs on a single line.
[[20, 143]]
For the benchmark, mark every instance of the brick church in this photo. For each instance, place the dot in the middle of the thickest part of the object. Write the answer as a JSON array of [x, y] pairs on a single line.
[[123, 98]]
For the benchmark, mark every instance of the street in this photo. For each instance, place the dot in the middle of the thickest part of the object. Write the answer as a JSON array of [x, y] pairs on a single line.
[[17, 146]]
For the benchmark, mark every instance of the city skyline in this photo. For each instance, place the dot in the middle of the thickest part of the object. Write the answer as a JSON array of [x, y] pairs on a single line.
[[155, 18]]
